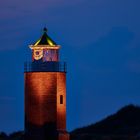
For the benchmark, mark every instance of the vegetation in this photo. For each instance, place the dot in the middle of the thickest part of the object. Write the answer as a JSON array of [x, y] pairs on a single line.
[[13, 136], [123, 125]]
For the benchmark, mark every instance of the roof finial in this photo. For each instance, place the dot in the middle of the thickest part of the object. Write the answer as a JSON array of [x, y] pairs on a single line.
[[45, 29]]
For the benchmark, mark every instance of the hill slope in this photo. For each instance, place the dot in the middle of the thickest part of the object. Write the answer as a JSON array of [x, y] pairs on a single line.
[[126, 122]]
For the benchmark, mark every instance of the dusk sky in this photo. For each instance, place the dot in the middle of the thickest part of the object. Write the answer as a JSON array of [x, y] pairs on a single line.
[[100, 41]]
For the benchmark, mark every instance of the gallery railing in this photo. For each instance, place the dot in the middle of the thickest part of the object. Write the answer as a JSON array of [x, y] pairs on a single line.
[[45, 67]]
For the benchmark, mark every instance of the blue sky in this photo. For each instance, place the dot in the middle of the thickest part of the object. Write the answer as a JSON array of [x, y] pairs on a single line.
[[100, 41]]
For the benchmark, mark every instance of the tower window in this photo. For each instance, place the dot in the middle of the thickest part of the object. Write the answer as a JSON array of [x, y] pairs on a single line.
[[61, 99]]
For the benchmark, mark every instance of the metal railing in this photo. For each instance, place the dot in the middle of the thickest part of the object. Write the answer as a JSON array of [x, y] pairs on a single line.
[[45, 67]]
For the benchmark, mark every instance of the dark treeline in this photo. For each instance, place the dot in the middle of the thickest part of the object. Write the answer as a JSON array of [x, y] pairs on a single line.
[[14, 136], [123, 125]]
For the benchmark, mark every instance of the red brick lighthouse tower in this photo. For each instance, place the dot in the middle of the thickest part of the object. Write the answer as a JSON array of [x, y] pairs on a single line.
[[45, 92]]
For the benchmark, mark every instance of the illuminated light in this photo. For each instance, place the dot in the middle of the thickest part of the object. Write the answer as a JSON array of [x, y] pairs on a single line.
[[50, 42], [45, 40], [37, 54], [44, 47], [45, 51], [37, 42]]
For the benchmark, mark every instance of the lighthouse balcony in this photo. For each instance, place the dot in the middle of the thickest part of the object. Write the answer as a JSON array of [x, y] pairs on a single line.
[[45, 66]]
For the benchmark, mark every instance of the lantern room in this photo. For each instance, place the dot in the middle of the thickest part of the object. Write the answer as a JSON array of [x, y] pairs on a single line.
[[45, 49]]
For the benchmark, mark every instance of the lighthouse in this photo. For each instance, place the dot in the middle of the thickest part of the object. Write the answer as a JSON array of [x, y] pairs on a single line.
[[45, 92]]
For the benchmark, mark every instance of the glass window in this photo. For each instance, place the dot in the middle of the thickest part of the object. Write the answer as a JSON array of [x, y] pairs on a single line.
[[61, 99]]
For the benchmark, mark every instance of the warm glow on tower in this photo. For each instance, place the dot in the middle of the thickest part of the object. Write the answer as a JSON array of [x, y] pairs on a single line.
[[45, 92]]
